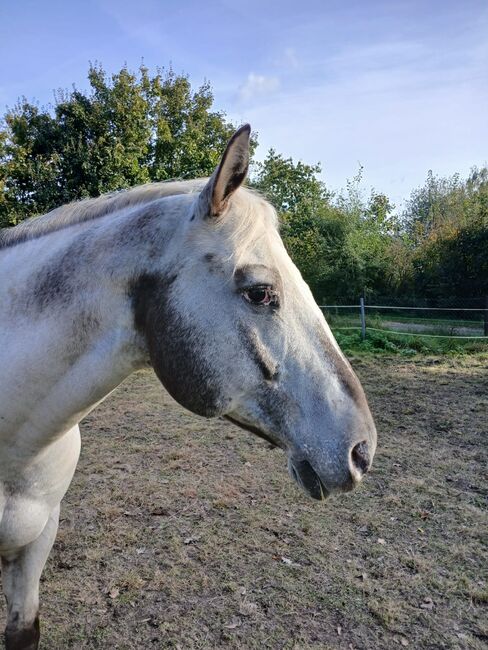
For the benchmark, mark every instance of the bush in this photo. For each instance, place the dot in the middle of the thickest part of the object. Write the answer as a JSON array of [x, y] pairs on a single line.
[[406, 345]]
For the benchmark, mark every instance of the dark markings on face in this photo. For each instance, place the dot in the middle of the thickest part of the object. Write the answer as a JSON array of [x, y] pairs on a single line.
[[213, 263], [87, 322], [175, 347], [258, 352], [277, 410], [345, 373], [255, 431]]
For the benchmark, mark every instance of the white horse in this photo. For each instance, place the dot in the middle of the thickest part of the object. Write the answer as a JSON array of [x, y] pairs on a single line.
[[192, 279]]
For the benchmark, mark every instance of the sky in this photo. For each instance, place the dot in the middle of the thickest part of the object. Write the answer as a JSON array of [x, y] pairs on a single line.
[[398, 86]]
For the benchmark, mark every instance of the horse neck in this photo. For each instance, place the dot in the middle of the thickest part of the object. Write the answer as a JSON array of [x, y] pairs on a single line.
[[68, 327]]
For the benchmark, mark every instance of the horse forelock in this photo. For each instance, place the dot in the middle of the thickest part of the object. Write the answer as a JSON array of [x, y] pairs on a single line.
[[250, 219]]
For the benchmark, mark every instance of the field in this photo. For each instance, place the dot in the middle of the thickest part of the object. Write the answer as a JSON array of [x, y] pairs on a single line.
[[180, 532], [446, 324]]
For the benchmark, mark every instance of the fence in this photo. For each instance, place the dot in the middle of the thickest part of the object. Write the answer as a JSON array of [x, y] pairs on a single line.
[[429, 322]]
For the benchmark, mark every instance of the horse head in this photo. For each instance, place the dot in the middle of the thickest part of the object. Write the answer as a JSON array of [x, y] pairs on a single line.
[[233, 330]]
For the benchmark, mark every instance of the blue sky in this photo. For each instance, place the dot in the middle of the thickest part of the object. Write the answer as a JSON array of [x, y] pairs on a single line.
[[400, 86]]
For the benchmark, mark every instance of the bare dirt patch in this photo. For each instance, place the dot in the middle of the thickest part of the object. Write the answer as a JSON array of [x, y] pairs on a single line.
[[180, 532]]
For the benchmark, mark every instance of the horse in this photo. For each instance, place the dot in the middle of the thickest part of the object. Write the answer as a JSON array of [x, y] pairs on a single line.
[[192, 279]]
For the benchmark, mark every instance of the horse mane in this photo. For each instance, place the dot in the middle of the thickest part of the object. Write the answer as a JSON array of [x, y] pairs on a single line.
[[89, 209]]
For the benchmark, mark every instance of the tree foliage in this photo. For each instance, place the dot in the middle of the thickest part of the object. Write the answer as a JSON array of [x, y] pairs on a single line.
[[338, 242], [349, 244], [131, 128], [127, 129], [447, 220]]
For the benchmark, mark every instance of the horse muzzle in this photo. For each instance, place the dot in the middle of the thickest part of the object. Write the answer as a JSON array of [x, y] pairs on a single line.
[[308, 479], [341, 477]]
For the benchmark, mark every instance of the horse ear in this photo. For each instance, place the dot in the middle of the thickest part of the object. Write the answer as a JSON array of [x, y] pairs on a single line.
[[229, 175]]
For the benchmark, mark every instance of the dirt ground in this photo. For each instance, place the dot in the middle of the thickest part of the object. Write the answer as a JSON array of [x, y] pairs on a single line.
[[179, 532]]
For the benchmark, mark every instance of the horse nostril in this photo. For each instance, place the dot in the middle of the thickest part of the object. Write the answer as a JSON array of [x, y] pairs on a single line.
[[360, 456]]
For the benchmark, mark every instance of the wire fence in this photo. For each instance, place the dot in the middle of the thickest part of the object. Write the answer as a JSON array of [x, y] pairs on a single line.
[[425, 322]]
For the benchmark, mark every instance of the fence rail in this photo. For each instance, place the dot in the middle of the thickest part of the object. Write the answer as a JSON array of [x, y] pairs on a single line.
[[456, 323], [397, 307]]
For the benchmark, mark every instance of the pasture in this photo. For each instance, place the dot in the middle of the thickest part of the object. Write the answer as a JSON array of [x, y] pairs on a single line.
[[181, 532]]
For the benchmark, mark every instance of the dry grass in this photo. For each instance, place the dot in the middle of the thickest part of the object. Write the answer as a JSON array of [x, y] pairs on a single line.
[[184, 533]]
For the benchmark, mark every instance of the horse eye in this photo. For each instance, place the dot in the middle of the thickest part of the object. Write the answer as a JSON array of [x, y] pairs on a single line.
[[261, 296]]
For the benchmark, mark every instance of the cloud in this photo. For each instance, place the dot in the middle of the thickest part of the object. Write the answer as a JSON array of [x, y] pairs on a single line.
[[256, 86], [400, 110], [291, 58], [288, 59]]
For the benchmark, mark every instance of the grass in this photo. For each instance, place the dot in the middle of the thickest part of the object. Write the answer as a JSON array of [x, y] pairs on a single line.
[[181, 532], [418, 325], [446, 323], [406, 344]]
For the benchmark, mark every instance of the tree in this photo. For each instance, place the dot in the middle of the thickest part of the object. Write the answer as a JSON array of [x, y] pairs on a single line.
[[291, 187], [339, 243], [129, 128], [299, 197], [447, 221]]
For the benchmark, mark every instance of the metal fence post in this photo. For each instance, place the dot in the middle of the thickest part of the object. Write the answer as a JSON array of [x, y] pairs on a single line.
[[363, 318], [486, 316]]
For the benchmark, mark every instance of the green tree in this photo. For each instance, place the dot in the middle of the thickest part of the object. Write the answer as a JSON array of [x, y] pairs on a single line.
[[340, 244], [447, 222], [443, 201], [28, 165], [300, 199], [129, 128], [291, 187]]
